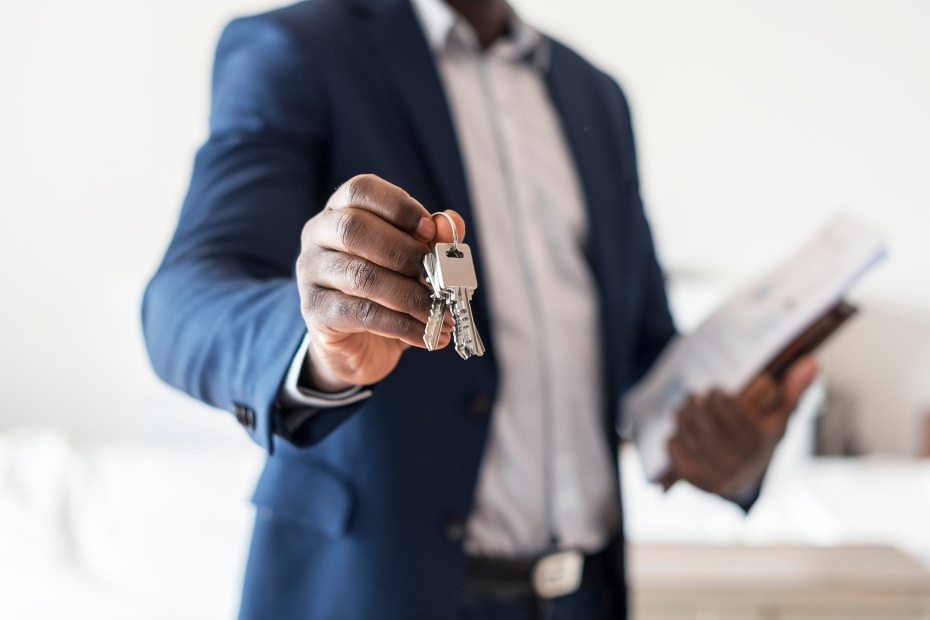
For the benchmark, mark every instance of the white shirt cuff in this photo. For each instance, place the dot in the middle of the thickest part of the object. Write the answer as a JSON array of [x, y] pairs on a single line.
[[746, 494], [294, 396]]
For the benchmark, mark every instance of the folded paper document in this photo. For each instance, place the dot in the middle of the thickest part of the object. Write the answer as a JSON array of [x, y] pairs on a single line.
[[764, 326]]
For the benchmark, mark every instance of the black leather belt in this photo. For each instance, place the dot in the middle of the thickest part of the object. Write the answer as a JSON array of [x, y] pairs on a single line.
[[555, 574]]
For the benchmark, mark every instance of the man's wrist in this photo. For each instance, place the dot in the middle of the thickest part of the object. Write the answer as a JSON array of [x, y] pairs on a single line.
[[295, 395], [312, 377], [746, 496]]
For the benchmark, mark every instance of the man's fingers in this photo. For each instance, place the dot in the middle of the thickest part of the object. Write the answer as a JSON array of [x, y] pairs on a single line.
[[722, 444], [358, 277], [719, 439], [741, 435], [701, 439], [765, 396], [801, 374], [362, 233], [774, 417], [687, 467], [715, 443], [387, 201], [378, 221], [337, 313]]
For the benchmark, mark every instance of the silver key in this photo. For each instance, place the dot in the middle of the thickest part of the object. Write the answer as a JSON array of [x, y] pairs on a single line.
[[453, 279], [434, 326], [467, 340], [438, 310]]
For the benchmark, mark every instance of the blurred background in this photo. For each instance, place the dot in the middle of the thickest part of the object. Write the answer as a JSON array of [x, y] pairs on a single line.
[[757, 122]]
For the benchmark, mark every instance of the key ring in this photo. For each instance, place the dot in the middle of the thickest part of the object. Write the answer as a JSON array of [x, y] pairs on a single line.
[[455, 234]]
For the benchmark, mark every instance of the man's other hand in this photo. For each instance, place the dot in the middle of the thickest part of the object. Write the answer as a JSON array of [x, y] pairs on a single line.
[[360, 274], [724, 444]]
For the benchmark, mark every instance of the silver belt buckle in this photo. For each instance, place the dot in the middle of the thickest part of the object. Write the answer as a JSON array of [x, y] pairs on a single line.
[[558, 574]]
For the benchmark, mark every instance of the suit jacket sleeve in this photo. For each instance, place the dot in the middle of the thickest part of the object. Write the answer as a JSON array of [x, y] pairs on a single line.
[[656, 326], [221, 316]]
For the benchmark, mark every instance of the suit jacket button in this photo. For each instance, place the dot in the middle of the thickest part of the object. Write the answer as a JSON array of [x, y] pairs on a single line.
[[245, 416], [454, 528], [480, 406]]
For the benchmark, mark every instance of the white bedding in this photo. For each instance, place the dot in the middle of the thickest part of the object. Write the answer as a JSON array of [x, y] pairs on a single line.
[[146, 531], [122, 530]]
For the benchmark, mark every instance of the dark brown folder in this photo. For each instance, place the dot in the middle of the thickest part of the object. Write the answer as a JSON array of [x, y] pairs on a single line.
[[806, 343]]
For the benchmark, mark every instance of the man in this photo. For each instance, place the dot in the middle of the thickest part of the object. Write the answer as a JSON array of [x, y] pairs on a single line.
[[402, 483]]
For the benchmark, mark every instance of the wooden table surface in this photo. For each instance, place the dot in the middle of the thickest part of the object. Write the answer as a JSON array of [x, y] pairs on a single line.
[[777, 583]]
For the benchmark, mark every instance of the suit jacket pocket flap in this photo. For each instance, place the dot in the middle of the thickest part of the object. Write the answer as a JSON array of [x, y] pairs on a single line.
[[306, 493]]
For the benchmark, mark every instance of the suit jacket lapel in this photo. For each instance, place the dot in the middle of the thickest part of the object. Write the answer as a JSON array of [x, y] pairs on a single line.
[[588, 135], [583, 127], [402, 48]]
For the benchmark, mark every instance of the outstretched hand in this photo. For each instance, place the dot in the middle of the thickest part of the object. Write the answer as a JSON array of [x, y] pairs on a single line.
[[724, 444], [360, 277]]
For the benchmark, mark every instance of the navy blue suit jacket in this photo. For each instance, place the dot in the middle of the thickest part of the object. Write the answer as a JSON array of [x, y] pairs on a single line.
[[361, 513]]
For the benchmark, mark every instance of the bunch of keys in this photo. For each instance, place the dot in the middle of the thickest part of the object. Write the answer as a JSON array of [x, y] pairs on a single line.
[[451, 273]]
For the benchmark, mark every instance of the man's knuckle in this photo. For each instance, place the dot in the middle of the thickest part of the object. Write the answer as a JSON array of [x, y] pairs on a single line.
[[365, 311], [306, 233], [400, 258], [308, 261], [311, 300], [302, 265], [361, 275], [408, 327], [349, 229], [357, 188]]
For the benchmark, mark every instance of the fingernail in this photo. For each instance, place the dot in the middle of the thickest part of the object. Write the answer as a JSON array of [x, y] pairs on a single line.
[[426, 229]]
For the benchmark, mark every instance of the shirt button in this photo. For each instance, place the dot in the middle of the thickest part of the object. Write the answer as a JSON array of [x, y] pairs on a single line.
[[454, 528], [480, 406]]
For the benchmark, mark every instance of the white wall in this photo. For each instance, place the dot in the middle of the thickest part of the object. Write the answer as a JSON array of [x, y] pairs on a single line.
[[104, 103], [756, 121]]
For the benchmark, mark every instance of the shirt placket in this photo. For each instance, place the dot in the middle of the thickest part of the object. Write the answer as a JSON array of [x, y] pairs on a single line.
[[499, 96]]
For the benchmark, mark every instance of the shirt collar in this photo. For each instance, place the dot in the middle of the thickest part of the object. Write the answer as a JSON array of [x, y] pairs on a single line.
[[440, 23]]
